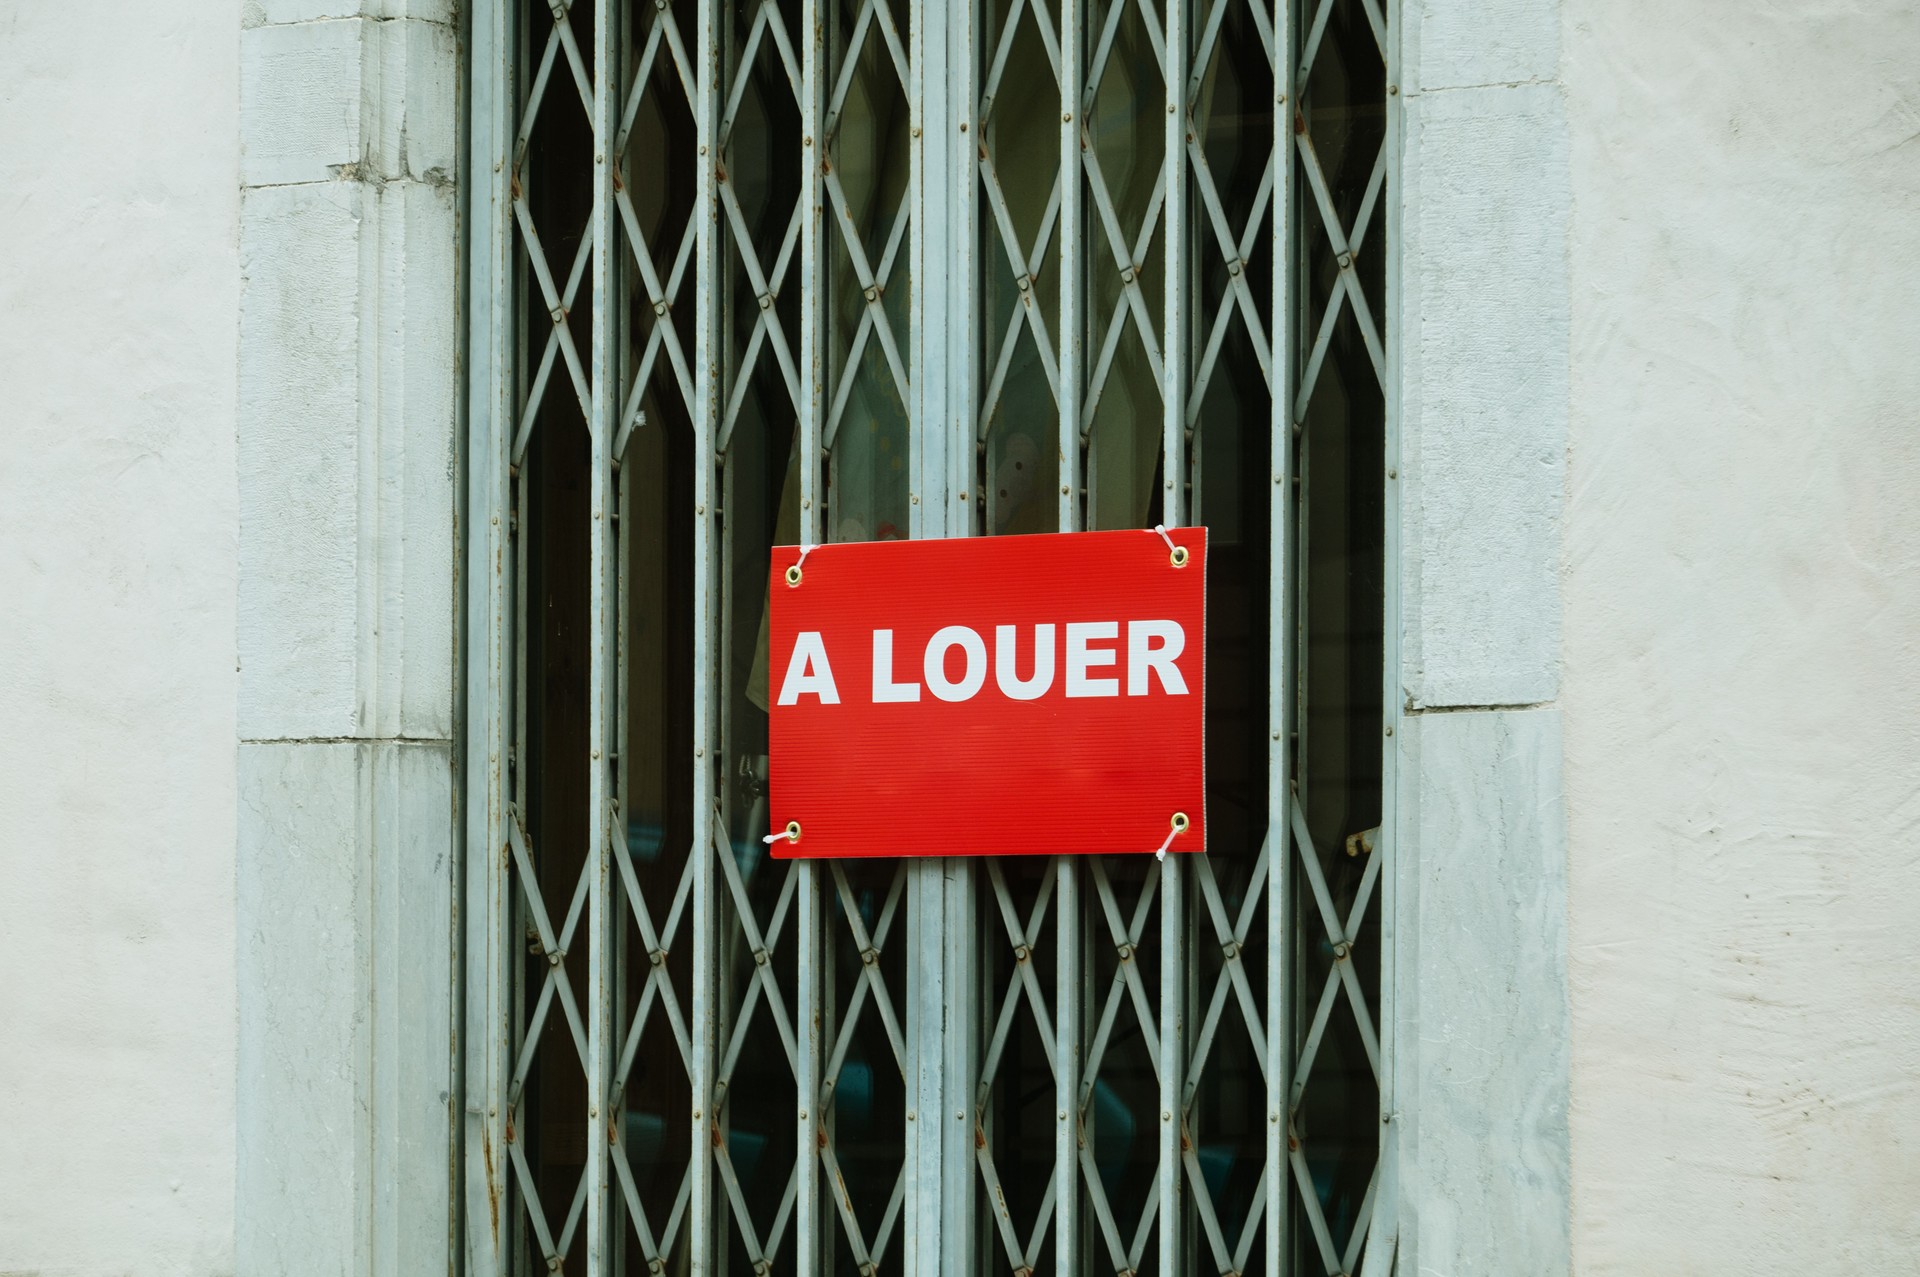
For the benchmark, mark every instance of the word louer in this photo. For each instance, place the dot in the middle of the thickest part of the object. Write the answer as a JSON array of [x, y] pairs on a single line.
[[1092, 660]]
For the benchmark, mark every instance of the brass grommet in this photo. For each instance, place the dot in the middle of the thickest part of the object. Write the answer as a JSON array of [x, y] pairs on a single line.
[[793, 575], [1179, 556], [1180, 822], [793, 831]]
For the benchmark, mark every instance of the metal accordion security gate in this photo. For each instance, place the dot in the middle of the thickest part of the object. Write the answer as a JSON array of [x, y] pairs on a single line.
[[774, 271]]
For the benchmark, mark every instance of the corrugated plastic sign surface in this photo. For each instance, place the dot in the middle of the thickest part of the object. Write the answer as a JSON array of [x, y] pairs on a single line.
[[1021, 695]]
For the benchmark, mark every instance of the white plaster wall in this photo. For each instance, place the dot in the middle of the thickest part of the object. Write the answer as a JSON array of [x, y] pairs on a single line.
[[118, 290], [1742, 641]]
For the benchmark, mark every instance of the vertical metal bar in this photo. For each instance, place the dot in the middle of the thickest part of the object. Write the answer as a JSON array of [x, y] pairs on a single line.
[[953, 63], [1280, 656], [490, 410], [619, 72], [604, 271], [940, 994], [520, 520], [703, 1232], [1173, 400], [621, 653], [1072, 334], [1071, 340], [810, 1220], [927, 516], [1386, 1198]]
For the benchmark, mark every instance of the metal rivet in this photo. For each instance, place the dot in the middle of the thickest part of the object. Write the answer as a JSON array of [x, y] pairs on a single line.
[[793, 831], [1342, 949], [1393, 474], [1389, 731], [1179, 557], [916, 131], [766, 301], [599, 157], [1180, 822], [793, 575], [806, 141]]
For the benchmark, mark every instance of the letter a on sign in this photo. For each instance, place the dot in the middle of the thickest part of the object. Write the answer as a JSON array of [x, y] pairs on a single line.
[[990, 696]]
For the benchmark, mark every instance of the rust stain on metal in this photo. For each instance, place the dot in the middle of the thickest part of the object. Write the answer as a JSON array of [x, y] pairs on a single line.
[[493, 1185]]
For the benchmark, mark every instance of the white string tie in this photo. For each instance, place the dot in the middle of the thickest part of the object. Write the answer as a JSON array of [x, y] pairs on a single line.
[[1162, 853], [1161, 528], [786, 834]]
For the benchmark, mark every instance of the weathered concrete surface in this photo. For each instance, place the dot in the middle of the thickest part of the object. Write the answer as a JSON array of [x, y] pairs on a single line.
[[1481, 1055], [1483, 354], [1743, 636], [1483, 969], [348, 361], [117, 683]]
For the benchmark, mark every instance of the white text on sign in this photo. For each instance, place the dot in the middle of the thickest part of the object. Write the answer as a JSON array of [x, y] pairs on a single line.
[[1152, 647]]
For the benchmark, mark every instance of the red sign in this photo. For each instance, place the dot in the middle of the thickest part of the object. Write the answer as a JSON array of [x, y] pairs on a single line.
[[1025, 695]]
